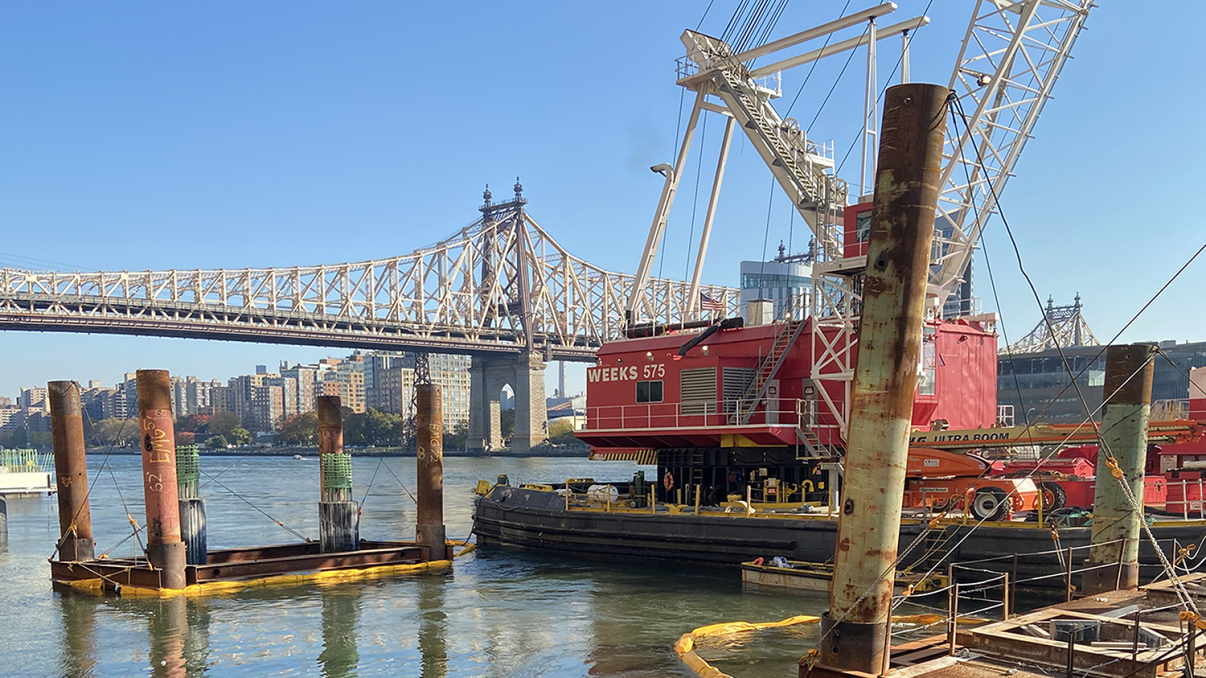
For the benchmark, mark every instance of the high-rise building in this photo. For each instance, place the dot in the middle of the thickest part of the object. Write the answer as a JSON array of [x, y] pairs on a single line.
[[129, 387], [288, 387], [392, 388], [198, 395], [383, 377], [103, 403], [785, 282], [34, 399], [240, 396], [10, 417], [451, 372], [219, 400], [265, 408], [348, 377], [305, 376]]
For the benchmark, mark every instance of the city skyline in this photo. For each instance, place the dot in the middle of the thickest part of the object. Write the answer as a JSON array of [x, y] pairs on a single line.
[[176, 138], [269, 395]]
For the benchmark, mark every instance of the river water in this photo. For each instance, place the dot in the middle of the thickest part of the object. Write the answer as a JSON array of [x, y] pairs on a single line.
[[499, 612]]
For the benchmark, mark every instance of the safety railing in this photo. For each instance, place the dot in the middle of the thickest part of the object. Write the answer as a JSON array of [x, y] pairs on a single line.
[[711, 414], [22, 461], [984, 589], [1170, 409]]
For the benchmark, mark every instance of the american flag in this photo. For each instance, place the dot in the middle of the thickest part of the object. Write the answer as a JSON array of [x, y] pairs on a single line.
[[707, 303]]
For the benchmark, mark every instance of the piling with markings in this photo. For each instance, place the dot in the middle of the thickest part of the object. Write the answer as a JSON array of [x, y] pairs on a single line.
[[1114, 555], [429, 434], [165, 549], [855, 629], [70, 471], [192, 506], [338, 514]]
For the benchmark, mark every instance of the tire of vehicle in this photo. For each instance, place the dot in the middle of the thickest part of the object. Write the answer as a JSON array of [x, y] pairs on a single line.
[[990, 503], [1053, 496]]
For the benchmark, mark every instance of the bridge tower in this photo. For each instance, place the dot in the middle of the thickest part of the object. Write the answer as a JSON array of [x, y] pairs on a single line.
[[525, 372]]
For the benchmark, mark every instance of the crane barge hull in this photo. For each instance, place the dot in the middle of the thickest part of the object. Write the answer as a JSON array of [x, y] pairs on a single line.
[[538, 520]]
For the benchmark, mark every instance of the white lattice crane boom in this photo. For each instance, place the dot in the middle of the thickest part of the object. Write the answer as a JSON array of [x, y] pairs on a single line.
[[1011, 56]]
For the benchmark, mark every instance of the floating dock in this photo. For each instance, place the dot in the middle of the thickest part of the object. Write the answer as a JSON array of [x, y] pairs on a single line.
[[176, 556], [1118, 634]]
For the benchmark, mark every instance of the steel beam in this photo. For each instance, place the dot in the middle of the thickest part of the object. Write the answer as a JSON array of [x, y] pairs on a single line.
[[817, 32], [845, 45]]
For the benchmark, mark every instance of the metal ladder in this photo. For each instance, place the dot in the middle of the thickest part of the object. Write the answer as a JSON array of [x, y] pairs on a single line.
[[768, 369], [786, 144]]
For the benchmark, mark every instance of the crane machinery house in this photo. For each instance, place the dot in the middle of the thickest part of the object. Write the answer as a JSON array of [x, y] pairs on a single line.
[[724, 407]]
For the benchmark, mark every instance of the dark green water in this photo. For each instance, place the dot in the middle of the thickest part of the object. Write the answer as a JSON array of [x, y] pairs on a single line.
[[498, 613]]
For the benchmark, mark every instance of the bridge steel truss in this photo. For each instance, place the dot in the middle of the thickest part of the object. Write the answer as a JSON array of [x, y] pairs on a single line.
[[500, 286]]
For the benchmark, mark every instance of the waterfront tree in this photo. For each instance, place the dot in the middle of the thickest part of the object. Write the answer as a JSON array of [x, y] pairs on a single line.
[[116, 432], [216, 443], [372, 427], [239, 436], [15, 438], [456, 439], [193, 423], [561, 431], [299, 429], [222, 423]]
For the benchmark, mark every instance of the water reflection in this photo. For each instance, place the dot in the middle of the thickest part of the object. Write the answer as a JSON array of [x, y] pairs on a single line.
[[168, 624], [176, 629], [432, 627], [340, 618], [78, 656]]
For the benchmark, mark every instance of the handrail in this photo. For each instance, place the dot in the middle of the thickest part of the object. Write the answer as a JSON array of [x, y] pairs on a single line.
[[712, 414]]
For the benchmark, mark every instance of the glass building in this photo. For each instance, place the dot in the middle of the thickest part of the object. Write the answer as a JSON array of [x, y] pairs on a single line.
[[786, 283]]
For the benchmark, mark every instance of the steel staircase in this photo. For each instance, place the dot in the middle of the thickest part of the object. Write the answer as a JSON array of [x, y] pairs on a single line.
[[767, 370], [793, 159], [812, 443]]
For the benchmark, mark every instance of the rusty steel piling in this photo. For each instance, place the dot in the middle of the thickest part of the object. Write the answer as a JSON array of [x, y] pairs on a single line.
[[165, 549], [1121, 457], [855, 629], [338, 514], [429, 424], [70, 471]]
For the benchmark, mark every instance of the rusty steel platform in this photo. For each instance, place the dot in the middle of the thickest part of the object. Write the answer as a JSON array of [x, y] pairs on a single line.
[[1119, 634], [248, 563]]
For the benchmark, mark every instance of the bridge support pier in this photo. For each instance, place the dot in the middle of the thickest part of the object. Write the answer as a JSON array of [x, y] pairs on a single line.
[[525, 374]]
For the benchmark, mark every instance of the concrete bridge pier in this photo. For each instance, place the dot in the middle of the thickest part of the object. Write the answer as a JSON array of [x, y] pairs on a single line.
[[525, 374]]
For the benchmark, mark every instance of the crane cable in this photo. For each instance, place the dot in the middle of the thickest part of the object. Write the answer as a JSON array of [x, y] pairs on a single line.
[[812, 67], [703, 138], [1115, 472], [88, 493], [1169, 570], [879, 99]]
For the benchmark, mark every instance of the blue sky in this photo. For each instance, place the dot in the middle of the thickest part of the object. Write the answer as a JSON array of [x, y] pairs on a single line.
[[222, 135]]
